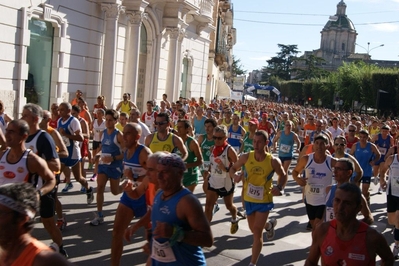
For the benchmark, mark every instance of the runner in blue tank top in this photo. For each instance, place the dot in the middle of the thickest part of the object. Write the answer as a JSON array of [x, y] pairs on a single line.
[[383, 141], [343, 171], [366, 153], [110, 164], [179, 225], [286, 139], [133, 201]]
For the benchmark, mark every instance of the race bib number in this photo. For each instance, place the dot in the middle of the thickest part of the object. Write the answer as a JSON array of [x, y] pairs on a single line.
[[315, 189], [309, 132], [162, 252], [235, 136], [301, 133], [382, 150], [329, 213], [206, 165], [255, 192], [284, 148]]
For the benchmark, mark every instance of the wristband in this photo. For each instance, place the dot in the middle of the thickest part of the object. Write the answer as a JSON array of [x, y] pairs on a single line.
[[280, 187]]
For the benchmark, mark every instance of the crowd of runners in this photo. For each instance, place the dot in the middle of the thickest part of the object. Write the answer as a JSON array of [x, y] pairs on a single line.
[[156, 158]]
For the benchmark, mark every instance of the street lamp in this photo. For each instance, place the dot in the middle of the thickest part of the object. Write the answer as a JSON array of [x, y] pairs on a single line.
[[368, 50]]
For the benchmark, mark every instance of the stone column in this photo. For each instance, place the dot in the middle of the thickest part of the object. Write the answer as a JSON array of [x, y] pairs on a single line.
[[179, 62], [112, 12], [135, 19], [171, 81]]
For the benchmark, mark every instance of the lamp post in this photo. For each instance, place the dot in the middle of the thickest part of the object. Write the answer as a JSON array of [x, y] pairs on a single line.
[[368, 50]]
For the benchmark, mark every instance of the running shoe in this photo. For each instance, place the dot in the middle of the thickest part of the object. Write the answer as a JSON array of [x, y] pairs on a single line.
[[94, 177], [90, 195], [242, 213], [270, 232], [376, 180], [309, 226], [395, 252], [63, 251], [234, 227], [97, 220], [83, 190], [215, 209], [67, 187], [61, 223]]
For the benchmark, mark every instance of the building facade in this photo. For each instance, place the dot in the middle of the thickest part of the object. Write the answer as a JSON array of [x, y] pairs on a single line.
[[338, 43], [50, 49]]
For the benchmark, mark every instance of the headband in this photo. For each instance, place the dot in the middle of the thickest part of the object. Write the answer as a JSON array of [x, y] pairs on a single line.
[[13, 205], [172, 160]]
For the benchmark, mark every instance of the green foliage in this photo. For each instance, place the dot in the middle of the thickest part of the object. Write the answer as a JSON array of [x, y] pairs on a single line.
[[356, 81], [281, 64], [308, 67], [237, 68]]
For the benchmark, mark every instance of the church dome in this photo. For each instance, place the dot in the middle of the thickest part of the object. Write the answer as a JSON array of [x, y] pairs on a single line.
[[340, 20]]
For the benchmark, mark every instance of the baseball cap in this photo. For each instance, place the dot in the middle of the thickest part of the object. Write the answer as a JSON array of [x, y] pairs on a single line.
[[254, 121]]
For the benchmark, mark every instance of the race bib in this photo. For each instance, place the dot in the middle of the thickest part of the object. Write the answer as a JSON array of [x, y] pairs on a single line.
[[315, 189], [284, 148], [309, 132], [382, 150], [329, 213], [162, 252], [235, 136], [104, 155], [255, 192]]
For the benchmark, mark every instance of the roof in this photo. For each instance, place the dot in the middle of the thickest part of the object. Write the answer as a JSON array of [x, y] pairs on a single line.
[[343, 22]]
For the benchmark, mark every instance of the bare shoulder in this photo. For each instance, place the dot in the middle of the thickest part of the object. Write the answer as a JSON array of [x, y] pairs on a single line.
[[321, 231], [189, 203]]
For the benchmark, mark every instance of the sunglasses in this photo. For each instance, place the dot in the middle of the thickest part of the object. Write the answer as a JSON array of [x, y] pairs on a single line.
[[339, 144], [218, 138], [351, 130], [161, 123], [340, 169]]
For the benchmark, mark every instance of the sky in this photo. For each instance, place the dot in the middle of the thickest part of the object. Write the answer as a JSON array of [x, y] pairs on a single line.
[[260, 27]]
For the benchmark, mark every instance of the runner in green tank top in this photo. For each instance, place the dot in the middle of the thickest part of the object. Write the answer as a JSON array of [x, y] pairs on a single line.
[[207, 142], [194, 158]]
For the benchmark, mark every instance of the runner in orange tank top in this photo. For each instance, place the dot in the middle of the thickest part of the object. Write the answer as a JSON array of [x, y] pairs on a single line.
[[18, 203]]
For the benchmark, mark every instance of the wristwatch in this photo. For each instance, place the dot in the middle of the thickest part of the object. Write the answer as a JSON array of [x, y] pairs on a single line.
[[280, 187]]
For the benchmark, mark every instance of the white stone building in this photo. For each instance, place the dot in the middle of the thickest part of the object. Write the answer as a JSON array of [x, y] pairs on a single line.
[[49, 49]]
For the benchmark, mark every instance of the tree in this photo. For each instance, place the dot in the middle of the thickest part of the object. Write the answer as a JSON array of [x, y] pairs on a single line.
[[237, 68], [281, 64], [307, 67]]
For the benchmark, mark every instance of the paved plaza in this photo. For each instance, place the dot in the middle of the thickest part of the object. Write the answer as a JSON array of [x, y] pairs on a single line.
[[88, 245]]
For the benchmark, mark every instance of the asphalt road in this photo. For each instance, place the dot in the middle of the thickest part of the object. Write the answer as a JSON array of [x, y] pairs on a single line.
[[88, 245]]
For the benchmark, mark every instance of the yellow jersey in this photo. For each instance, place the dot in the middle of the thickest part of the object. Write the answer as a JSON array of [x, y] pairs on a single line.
[[162, 145], [258, 181]]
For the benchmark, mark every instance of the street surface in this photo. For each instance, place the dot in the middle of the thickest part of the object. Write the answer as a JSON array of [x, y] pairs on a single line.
[[89, 245]]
